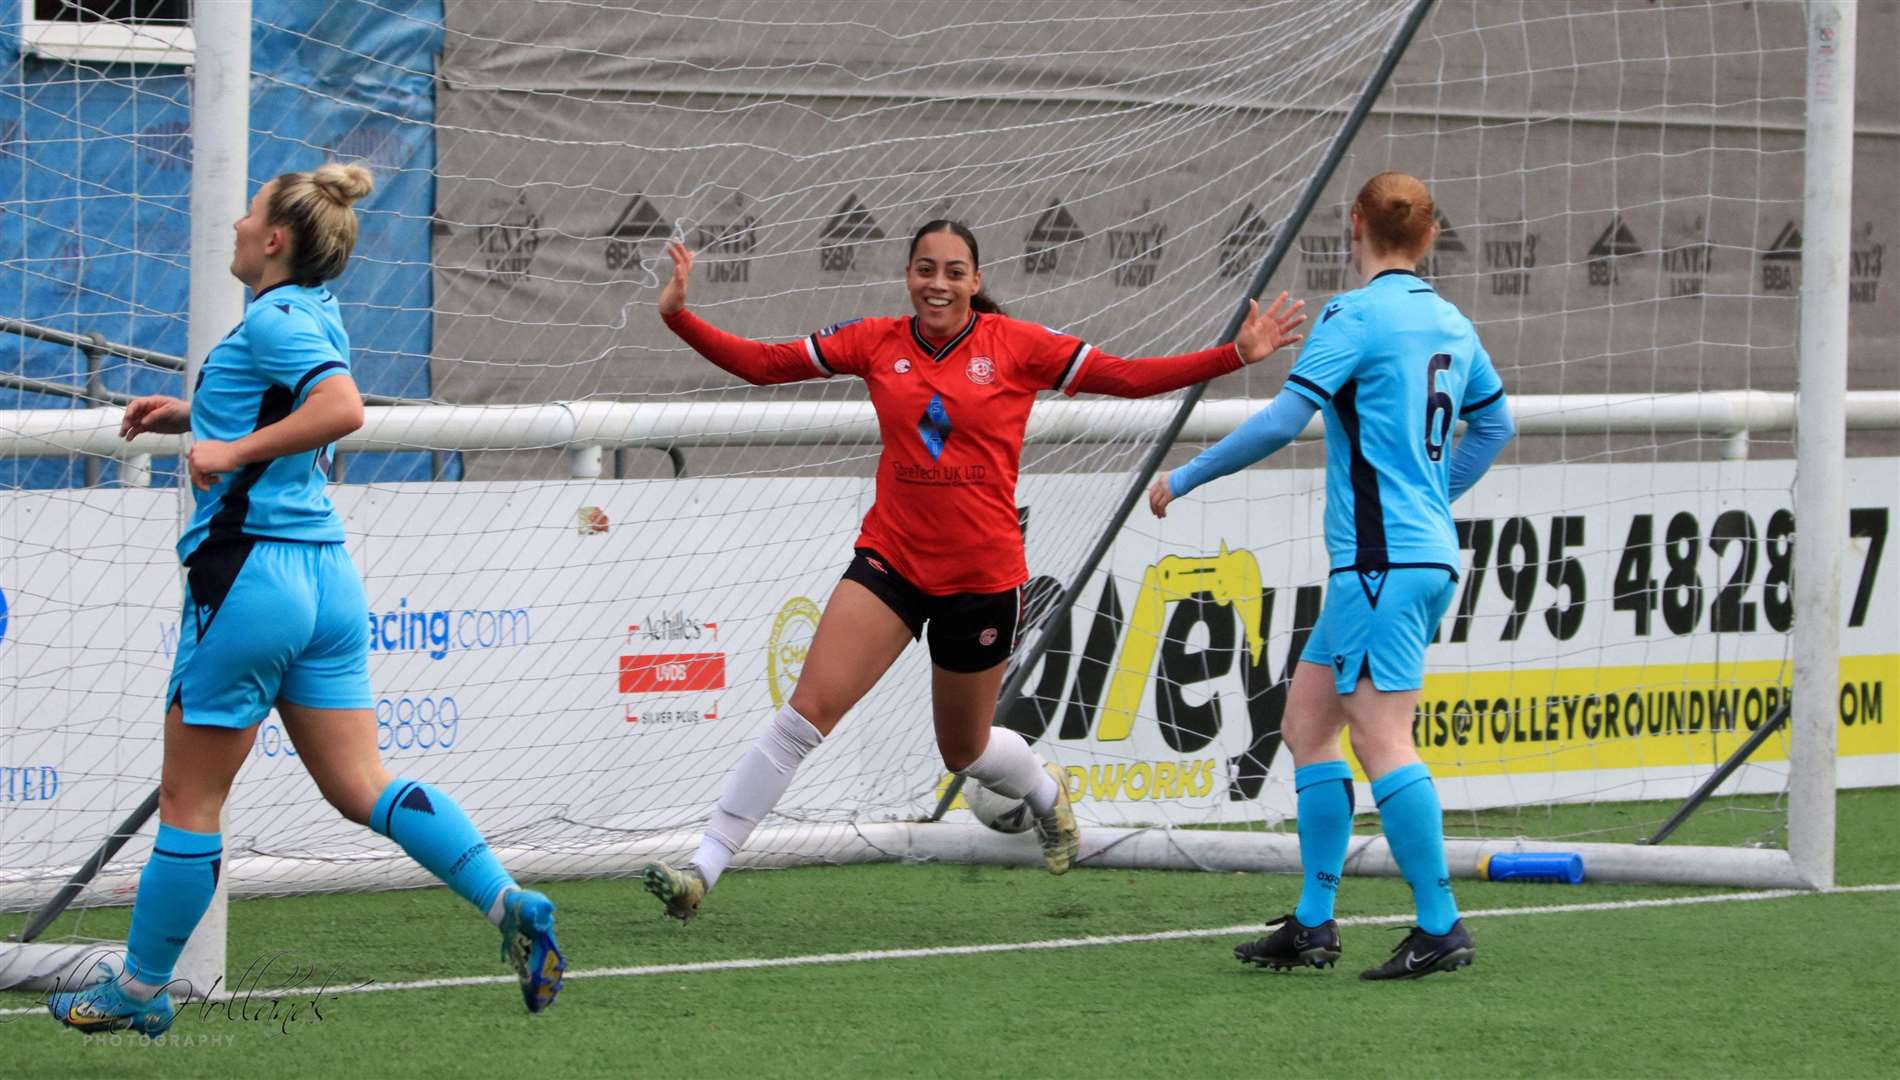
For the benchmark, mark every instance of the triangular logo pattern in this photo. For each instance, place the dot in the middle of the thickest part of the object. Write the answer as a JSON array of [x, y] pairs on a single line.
[[640, 220], [1448, 238], [418, 800], [1055, 226], [1250, 233], [1786, 246], [1616, 239], [1373, 582], [851, 224]]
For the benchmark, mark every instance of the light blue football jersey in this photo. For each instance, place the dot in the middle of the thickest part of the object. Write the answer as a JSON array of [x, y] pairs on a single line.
[[291, 339], [1392, 366]]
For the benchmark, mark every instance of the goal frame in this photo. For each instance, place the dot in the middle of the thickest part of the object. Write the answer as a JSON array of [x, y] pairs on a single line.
[[220, 127]]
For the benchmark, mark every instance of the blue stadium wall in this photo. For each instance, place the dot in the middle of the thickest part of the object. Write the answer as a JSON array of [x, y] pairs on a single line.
[[95, 175]]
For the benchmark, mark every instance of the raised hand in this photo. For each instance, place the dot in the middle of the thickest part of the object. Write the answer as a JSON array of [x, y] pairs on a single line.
[[1264, 331], [158, 414], [673, 293]]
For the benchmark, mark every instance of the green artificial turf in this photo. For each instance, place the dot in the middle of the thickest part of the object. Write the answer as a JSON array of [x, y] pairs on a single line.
[[1800, 986]]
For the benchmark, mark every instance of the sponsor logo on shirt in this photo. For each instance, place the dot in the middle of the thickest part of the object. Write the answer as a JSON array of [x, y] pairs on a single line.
[[835, 327], [958, 475], [934, 427], [981, 370]]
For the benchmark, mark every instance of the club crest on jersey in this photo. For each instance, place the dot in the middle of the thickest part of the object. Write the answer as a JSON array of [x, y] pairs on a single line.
[[902, 367], [982, 370]]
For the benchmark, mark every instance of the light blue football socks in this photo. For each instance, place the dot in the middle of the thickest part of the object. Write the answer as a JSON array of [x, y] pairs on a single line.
[[435, 832], [1415, 829], [174, 892], [1324, 791]]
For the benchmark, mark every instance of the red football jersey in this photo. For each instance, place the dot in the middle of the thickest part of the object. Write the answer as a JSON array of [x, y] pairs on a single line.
[[952, 420]]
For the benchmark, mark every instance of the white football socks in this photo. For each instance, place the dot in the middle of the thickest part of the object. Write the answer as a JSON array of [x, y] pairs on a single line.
[[1008, 767], [753, 788]]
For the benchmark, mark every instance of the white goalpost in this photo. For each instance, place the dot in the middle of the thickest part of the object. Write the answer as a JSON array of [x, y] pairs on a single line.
[[594, 562]]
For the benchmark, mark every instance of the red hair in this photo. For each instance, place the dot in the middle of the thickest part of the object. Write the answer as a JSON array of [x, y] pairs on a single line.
[[1398, 214]]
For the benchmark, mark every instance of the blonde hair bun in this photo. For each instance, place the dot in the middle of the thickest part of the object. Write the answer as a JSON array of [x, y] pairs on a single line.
[[315, 207], [343, 183]]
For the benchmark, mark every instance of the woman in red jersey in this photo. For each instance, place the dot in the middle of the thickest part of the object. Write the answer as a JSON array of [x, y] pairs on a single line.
[[952, 385]]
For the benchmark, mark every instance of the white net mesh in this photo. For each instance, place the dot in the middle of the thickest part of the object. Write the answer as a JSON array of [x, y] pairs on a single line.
[[578, 647]]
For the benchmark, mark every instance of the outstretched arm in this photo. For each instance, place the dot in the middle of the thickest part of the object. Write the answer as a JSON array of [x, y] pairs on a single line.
[[1486, 432], [1264, 433], [1260, 334], [754, 361], [1145, 377]]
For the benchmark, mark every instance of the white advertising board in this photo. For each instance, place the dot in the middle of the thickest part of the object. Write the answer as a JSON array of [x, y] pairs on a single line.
[[585, 659]]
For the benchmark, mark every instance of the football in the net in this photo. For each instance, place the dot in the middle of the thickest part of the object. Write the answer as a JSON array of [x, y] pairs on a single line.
[[999, 812]]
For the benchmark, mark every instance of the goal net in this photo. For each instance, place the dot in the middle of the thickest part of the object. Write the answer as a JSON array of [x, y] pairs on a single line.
[[594, 562]]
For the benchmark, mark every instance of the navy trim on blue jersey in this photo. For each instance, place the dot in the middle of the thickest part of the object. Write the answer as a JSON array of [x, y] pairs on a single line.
[[949, 346], [275, 404], [1075, 358], [1393, 270], [1368, 513], [271, 289], [819, 355], [1480, 406], [1307, 384], [1427, 288], [316, 371]]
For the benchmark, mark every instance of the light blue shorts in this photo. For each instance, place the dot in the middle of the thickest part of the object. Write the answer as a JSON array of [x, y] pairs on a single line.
[[269, 619], [1376, 624]]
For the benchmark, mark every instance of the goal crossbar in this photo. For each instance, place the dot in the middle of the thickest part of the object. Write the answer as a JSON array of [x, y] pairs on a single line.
[[580, 425]]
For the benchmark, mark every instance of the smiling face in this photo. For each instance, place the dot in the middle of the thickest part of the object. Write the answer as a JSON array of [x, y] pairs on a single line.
[[258, 241], [942, 277]]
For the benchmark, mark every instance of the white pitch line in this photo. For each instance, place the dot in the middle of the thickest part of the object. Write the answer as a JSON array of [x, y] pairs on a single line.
[[759, 963]]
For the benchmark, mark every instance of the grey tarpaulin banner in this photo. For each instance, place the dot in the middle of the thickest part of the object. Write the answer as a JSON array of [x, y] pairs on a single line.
[[1619, 188]]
